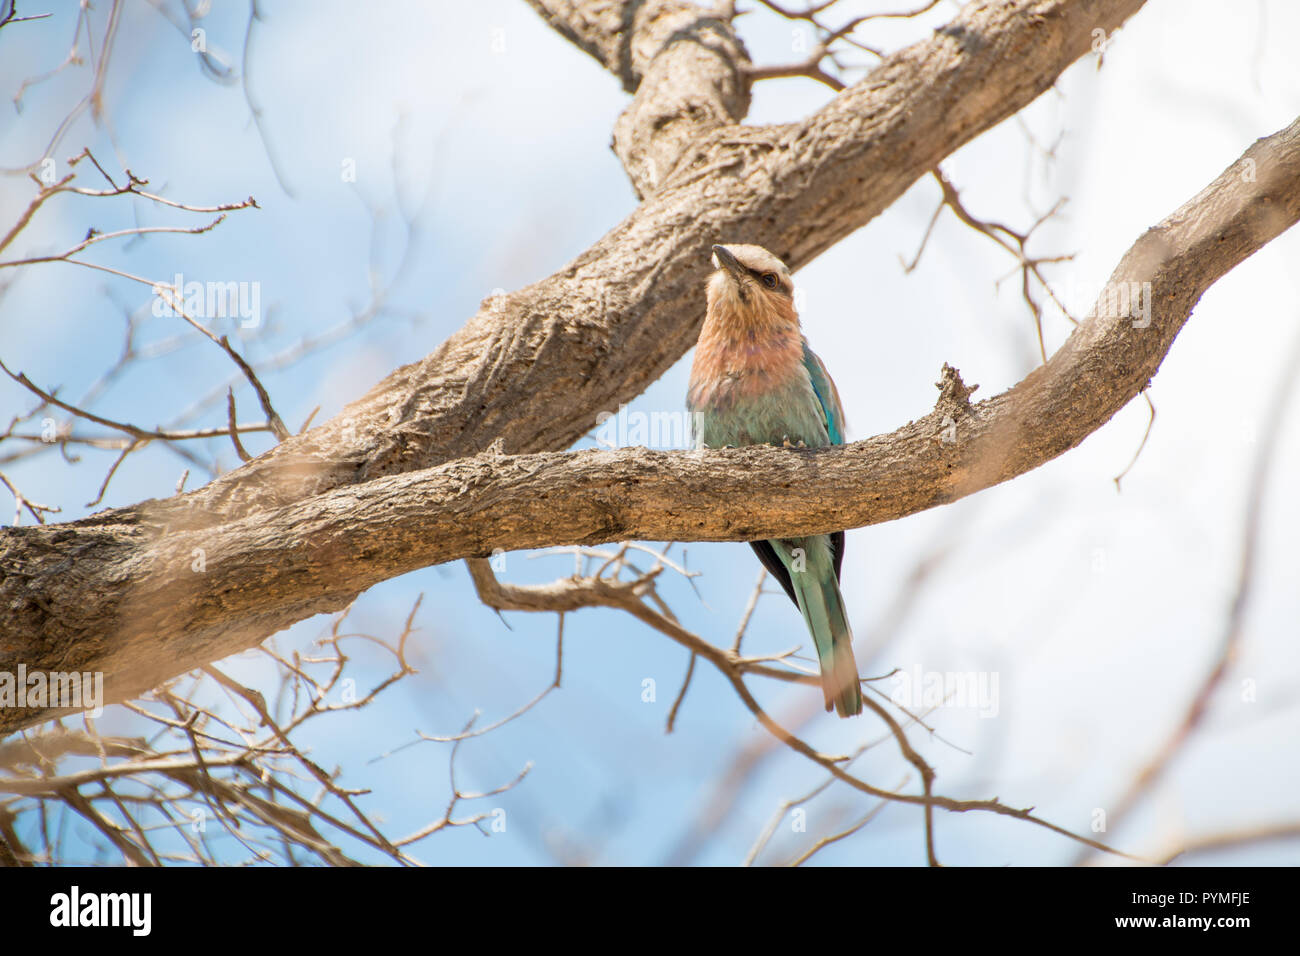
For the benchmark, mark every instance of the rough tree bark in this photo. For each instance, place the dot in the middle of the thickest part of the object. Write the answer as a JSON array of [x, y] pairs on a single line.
[[426, 467]]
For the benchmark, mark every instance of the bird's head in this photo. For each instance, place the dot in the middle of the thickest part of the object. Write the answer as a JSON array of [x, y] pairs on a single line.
[[751, 286]]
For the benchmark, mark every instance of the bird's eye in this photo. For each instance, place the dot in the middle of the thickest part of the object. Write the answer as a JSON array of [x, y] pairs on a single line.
[[769, 280]]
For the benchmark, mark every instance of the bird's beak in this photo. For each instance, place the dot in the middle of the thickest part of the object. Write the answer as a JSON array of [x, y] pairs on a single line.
[[725, 260]]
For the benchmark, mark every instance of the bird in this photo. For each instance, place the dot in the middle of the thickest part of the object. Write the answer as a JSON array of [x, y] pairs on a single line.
[[755, 381]]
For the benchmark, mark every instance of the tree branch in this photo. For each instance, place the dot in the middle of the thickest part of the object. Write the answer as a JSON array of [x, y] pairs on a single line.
[[212, 590], [684, 63], [534, 367]]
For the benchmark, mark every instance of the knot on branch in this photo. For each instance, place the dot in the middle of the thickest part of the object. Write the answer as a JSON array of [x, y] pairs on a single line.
[[953, 403], [954, 394]]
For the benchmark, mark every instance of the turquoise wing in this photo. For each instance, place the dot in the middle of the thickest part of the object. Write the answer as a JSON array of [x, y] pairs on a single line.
[[827, 394]]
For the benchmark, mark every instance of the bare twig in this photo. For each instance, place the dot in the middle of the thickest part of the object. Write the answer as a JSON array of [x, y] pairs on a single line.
[[1234, 626]]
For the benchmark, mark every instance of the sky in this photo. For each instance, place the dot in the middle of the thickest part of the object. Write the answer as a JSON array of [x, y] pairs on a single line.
[[479, 140]]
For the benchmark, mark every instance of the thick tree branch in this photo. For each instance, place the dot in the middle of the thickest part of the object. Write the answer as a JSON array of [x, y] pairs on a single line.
[[99, 594], [533, 368], [684, 63]]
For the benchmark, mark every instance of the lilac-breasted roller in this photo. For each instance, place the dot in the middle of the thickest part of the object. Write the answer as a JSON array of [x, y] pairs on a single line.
[[755, 381]]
